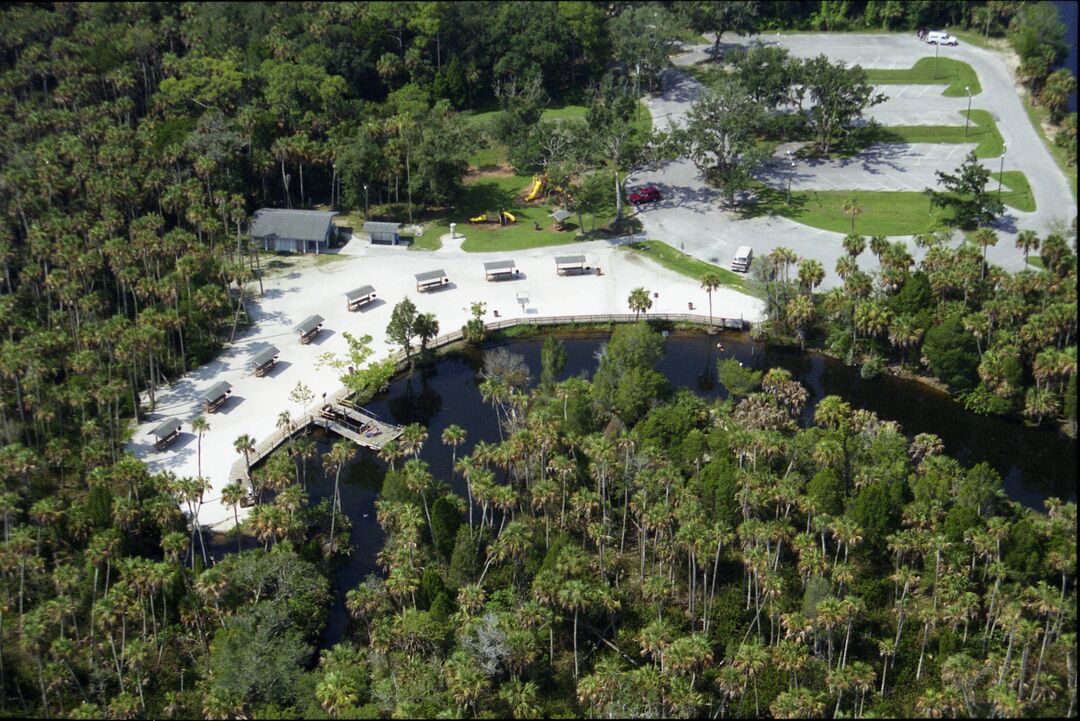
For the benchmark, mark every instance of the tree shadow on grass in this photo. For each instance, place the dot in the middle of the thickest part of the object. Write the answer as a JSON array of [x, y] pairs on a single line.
[[482, 197], [768, 201]]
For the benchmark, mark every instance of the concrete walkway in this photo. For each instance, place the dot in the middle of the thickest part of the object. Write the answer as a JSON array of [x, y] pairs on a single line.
[[690, 218], [320, 288]]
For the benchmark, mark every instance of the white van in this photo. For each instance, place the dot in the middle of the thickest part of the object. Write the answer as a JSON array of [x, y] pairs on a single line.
[[740, 263], [938, 37]]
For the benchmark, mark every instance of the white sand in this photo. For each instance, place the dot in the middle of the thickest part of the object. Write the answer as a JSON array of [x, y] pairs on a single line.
[[256, 402]]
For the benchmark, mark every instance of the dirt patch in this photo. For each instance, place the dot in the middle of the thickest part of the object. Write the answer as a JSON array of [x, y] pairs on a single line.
[[502, 170]]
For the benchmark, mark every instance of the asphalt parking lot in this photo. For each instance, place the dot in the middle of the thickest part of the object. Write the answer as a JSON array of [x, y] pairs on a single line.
[[690, 217]]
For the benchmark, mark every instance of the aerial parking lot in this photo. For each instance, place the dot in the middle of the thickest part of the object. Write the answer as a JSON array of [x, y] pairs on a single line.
[[690, 204]]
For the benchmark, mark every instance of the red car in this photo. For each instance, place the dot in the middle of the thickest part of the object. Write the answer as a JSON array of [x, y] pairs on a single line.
[[647, 194]]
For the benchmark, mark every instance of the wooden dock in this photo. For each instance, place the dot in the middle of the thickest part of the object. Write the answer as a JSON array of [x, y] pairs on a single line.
[[338, 416]]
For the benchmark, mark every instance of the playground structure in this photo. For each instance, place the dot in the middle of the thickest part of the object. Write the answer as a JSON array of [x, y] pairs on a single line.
[[502, 217], [537, 187]]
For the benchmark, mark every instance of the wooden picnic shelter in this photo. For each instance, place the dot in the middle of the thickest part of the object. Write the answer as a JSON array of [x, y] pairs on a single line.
[[356, 298], [217, 395], [309, 328], [431, 279], [264, 360], [570, 264], [499, 270], [166, 433], [561, 217]]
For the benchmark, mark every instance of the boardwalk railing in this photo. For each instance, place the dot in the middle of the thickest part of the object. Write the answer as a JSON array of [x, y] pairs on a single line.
[[722, 323]]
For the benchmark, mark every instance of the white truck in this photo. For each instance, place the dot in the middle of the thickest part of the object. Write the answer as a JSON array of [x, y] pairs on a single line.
[[939, 37], [740, 262]]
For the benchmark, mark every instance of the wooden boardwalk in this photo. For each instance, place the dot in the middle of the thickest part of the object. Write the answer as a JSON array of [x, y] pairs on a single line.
[[338, 416]]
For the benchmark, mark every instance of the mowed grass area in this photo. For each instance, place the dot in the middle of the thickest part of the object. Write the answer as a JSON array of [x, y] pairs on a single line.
[[982, 130], [495, 153], [1038, 115], [488, 194], [663, 254], [881, 212], [955, 74]]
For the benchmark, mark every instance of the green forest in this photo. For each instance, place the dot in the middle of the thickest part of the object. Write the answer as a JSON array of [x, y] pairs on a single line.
[[626, 549]]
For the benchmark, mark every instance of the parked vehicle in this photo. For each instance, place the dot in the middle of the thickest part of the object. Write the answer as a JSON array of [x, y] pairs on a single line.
[[740, 262], [938, 37], [648, 194]]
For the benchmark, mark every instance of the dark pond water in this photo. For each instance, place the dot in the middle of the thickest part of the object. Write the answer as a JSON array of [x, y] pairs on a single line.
[[1034, 463], [1067, 10]]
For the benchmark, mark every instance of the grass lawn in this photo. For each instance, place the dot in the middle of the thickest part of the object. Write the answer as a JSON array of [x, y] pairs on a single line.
[[883, 212], [708, 74], [983, 130], [953, 73], [487, 194], [496, 154], [672, 259]]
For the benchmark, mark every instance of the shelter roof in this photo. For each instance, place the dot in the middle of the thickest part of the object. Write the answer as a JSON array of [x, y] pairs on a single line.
[[309, 324], [265, 356], [297, 224], [360, 292], [430, 275], [376, 227], [167, 428], [217, 390]]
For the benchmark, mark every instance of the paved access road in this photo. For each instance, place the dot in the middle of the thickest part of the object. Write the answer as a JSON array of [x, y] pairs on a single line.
[[691, 218]]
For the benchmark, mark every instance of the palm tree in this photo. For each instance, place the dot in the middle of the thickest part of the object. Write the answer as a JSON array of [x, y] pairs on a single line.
[[710, 282], [233, 495], [418, 480], [851, 209], [413, 437], [391, 451], [336, 691], [198, 427], [854, 244], [1027, 241], [245, 445], [453, 435], [340, 453], [751, 660], [640, 301], [575, 596]]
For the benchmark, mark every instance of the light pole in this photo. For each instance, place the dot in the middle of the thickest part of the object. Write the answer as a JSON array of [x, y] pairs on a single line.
[[791, 172], [937, 50], [1001, 170], [967, 119], [365, 203]]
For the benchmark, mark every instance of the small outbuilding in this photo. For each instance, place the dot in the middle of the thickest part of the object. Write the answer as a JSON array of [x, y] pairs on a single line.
[[570, 264], [561, 217], [166, 433], [216, 396], [264, 360], [309, 328], [430, 280], [294, 231], [383, 232], [356, 298], [499, 270]]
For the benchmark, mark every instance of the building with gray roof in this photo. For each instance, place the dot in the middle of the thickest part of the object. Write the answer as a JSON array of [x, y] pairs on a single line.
[[295, 231]]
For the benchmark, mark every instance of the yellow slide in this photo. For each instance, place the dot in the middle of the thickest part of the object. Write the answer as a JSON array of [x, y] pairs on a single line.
[[478, 219], [538, 185], [509, 217]]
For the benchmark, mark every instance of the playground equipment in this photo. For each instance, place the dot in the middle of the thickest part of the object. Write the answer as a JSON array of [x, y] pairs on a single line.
[[537, 188], [501, 217]]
